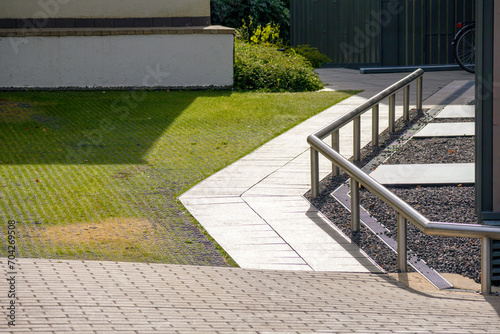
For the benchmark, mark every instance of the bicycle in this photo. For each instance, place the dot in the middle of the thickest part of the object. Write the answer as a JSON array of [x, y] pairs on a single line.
[[464, 43]]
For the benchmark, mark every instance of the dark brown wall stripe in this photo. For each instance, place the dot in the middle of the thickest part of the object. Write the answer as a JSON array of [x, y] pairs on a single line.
[[151, 22]]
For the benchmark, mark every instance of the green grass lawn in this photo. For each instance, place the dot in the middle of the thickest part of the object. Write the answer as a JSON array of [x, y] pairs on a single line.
[[96, 174]]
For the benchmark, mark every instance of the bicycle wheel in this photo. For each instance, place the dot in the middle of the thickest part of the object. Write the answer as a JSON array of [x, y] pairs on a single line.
[[465, 50]]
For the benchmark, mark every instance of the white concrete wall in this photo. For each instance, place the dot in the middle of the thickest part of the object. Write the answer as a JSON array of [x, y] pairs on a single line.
[[166, 60], [103, 8]]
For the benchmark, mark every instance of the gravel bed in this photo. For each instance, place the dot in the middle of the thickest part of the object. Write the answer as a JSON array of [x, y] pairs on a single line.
[[437, 203], [330, 183], [435, 151], [454, 120], [441, 203], [366, 240]]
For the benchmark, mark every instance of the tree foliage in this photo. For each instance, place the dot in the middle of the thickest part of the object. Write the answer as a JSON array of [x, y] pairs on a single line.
[[231, 13]]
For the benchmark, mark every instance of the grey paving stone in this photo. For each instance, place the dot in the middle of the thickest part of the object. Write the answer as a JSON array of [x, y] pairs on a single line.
[[458, 111], [419, 174], [447, 130]]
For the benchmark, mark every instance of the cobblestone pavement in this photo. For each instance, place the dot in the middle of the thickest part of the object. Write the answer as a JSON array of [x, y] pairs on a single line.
[[59, 296]]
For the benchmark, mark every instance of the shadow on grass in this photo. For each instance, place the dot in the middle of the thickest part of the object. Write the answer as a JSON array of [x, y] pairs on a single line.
[[96, 127], [95, 174]]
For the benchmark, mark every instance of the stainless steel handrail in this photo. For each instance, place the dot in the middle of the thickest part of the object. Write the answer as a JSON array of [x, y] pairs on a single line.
[[375, 100], [405, 212]]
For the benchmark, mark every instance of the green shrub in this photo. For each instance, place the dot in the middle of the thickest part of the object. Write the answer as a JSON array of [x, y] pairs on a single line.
[[230, 13], [312, 54], [268, 35], [264, 68]]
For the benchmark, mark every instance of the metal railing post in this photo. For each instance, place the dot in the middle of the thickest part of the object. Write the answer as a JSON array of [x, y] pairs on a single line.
[[485, 266], [356, 138], [375, 127], [406, 103], [355, 218], [419, 93], [314, 173], [402, 249], [392, 113], [336, 147]]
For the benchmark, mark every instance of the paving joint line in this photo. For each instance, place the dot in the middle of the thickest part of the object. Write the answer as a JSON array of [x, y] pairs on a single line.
[[274, 172], [278, 234]]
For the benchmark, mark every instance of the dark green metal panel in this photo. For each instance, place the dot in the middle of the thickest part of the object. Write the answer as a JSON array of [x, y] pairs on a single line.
[[360, 31], [338, 28], [424, 32], [484, 111], [390, 32]]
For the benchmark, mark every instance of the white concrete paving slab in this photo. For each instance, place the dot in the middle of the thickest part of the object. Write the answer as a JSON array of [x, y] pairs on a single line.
[[424, 174], [447, 130], [467, 97], [269, 184], [458, 111]]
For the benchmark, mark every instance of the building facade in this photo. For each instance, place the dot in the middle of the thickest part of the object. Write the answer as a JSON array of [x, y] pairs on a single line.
[[380, 32], [112, 43]]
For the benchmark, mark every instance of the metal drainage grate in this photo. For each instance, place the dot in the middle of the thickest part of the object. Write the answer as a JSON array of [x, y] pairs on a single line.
[[495, 263]]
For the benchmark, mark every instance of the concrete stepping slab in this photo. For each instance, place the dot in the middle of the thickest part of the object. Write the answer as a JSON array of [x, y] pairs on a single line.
[[447, 130], [458, 111], [425, 174]]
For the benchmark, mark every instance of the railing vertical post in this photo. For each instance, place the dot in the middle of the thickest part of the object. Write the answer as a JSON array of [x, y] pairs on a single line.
[[392, 113], [485, 266], [355, 219], [355, 222], [402, 249], [314, 173], [375, 129], [357, 139], [335, 146], [419, 93], [406, 103]]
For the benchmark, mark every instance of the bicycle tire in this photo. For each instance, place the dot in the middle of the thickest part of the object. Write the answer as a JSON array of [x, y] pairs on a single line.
[[465, 50]]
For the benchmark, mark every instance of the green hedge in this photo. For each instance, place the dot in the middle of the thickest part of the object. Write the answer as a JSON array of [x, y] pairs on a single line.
[[264, 68], [312, 54]]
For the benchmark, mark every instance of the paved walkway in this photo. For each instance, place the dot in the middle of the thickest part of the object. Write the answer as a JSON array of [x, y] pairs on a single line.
[[254, 208], [109, 297], [59, 296]]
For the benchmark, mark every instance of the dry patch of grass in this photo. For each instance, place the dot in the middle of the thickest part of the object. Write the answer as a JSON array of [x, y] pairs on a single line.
[[113, 237], [111, 230], [15, 112]]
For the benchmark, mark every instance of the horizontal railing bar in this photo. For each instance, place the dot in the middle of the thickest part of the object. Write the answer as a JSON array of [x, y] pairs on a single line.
[[368, 104], [400, 206], [462, 230]]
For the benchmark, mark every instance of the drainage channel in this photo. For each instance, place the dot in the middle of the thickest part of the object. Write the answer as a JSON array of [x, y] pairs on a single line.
[[342, 196]]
